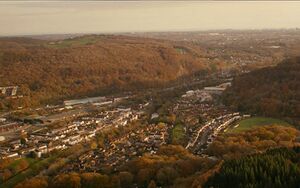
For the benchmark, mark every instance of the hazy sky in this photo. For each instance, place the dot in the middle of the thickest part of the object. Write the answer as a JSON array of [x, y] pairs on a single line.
[[46, 17]]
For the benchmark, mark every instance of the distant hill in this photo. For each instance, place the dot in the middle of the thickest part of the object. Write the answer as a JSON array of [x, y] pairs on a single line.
[[272, 91], [49, 71]]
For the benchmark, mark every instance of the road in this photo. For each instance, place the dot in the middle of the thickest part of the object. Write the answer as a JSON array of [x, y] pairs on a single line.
[[206, 134]]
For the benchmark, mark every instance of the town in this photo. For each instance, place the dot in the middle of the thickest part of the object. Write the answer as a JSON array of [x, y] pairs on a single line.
[[92, 122], [103, 134], [149, 94], [41, 140]]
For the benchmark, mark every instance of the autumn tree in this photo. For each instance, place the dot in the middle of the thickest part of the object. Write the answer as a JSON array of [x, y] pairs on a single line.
[[67, 180], [93, 180], [36, 182], [152, 184]]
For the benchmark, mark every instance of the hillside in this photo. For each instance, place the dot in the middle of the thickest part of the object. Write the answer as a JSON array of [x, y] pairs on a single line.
[[275, 168], [254, 140], [259, 157], [49, 71], [272, 91]]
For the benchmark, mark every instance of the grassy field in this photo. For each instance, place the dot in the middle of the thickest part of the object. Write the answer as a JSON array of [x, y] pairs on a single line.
[[249, 123], [80, 41], [14, 164], [178, 134]]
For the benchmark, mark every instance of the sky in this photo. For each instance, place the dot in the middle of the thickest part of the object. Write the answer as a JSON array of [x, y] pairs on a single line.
[[58, 17]]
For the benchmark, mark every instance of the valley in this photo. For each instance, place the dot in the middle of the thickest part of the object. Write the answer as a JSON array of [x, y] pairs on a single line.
[[128, 111]]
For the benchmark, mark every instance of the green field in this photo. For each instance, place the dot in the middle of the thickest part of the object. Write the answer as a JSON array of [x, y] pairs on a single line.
[[14, 164], [249, 123], [178, 134], [79, 41]]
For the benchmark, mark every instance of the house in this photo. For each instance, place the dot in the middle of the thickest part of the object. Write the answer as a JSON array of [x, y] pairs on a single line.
[[9, 91], [10, 155], [154, 115], [43, 149]]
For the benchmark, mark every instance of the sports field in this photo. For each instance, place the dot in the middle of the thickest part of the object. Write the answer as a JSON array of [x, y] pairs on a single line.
[[249, 123]]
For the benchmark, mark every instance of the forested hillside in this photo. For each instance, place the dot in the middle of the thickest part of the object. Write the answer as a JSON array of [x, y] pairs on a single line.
[[255, 140], [275, 168], [265, 156], [272, 91], [49, 71]]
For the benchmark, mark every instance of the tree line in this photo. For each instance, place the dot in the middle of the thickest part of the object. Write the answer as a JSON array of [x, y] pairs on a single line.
[[276, 168]]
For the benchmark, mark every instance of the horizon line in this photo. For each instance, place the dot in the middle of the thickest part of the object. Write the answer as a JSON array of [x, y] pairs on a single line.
[[137, 32]]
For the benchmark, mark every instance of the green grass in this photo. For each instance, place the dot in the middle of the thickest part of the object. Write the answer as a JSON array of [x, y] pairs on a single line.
[[35, 167], [213, 66], [249, 123], [14, 164], [79, 41], [178, 134], [180, 50]]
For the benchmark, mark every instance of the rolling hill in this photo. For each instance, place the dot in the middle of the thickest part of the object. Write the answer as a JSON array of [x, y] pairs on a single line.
[[271, 91], [50, 71]]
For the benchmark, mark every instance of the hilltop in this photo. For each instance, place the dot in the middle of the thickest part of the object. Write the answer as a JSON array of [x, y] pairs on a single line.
[[50, 71]]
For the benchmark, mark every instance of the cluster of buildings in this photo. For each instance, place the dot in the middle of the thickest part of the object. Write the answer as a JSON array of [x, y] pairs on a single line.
[[97, 101], [146, 138], [209, 131], [196, 109], [6, 125], [217, 89], [45, 141], [206, 94], [120, 116], [81, 129], [9, 90], [201, 95], [202, 116]]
